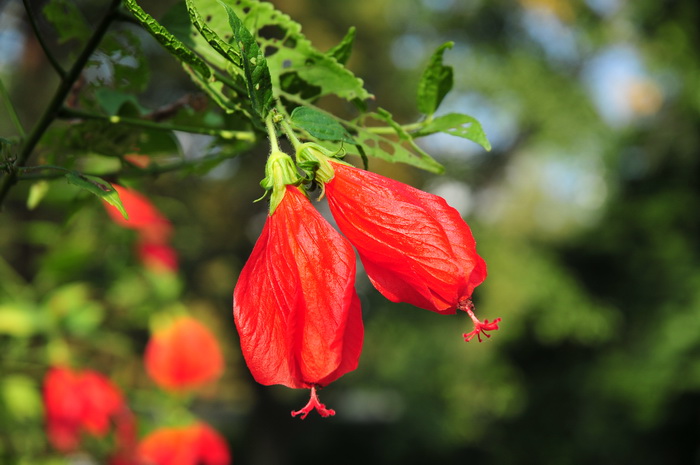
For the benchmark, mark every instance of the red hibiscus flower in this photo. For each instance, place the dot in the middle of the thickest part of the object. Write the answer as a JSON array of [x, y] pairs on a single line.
[[295, 306], [143, 216], [153, 228], [183, 354], [198, 444], [415, 248], [81, 401]]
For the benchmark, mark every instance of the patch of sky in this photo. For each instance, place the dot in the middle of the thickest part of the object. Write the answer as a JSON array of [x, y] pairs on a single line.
[[556, 38], [609, 76]]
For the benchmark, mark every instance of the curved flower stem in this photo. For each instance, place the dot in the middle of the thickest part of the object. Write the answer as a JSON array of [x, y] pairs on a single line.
[[272, 133], [143, 123], [62, 92], [35, 28], [290, 135]]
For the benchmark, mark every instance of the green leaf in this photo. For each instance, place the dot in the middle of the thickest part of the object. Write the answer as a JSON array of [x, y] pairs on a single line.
[[389, 150], [280, 39], [456, 124], [37, 192], [435, 82], [100, 188], [68, 21], [342, 51], [167, 40], [320, 125], [257, 73]]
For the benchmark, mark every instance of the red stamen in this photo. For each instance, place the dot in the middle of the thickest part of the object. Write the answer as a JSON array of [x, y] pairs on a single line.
[[479, 327], [314, 403]]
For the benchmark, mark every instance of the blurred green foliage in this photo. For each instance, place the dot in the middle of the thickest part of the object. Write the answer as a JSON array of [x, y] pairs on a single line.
[[584, 211]]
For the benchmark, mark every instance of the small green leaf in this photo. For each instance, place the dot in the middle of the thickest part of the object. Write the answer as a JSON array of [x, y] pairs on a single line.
[[257, 73], [167, 40], [68, 20], [456, 124], [320, 125], [342, 51], [435, 83], [37, 192], [100, 188]]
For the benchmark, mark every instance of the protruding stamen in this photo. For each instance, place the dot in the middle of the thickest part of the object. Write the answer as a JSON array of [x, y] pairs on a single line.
[[479, 327], [314, 403]]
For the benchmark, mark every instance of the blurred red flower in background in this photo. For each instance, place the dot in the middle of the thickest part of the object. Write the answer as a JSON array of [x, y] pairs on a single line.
[[83, 401], [295, 305], [183, 354], [153, 227], [197, 444]]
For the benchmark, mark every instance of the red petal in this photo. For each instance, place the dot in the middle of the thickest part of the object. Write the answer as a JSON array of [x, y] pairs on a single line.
[[415, 247], [295, 305]]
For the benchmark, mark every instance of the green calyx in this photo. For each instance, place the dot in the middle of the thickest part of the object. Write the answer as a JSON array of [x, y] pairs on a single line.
[[280, 172], [315, 160]]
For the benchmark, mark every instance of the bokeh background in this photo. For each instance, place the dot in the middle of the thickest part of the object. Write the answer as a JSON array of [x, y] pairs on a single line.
[[586, 212]]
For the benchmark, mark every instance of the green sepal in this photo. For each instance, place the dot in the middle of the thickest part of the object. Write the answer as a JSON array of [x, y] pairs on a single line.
[[280, 172]]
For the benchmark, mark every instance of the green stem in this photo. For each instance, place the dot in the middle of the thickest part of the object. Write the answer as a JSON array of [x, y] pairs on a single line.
[[272, 133], [143, 123], [11, 110], [35, 28], [290, 134], [390, 130], [57, 101], [151, 170]]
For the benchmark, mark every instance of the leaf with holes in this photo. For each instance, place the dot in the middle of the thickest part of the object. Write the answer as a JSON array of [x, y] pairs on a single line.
[[320, 125], [377, 146], [456, 124], [435, 82], [99, 187], [280, 40]]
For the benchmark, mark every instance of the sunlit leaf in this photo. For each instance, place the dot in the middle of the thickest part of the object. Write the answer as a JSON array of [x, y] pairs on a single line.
[[456, 124], [37, 192], [342, 51], [100, 188], [435, 82]]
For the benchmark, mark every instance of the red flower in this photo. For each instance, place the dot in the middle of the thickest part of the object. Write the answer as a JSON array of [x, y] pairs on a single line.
[[154, 229], [197, 444], [183, 354], [415, 248], [143, 216], [158, 257], [295, 306], [80, 401]]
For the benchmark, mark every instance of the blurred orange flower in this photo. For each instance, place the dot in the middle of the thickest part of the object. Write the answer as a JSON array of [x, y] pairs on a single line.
[[197, 444], [183, 354]]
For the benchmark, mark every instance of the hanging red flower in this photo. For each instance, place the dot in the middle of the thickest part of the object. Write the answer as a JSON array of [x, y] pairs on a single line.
[[153, 228], [295, 306], [197, 444], [415, 248], [183, 354], [81, 401], [152, 225]]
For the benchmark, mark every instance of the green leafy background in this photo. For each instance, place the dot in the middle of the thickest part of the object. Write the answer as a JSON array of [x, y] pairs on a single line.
[[587, 223]]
